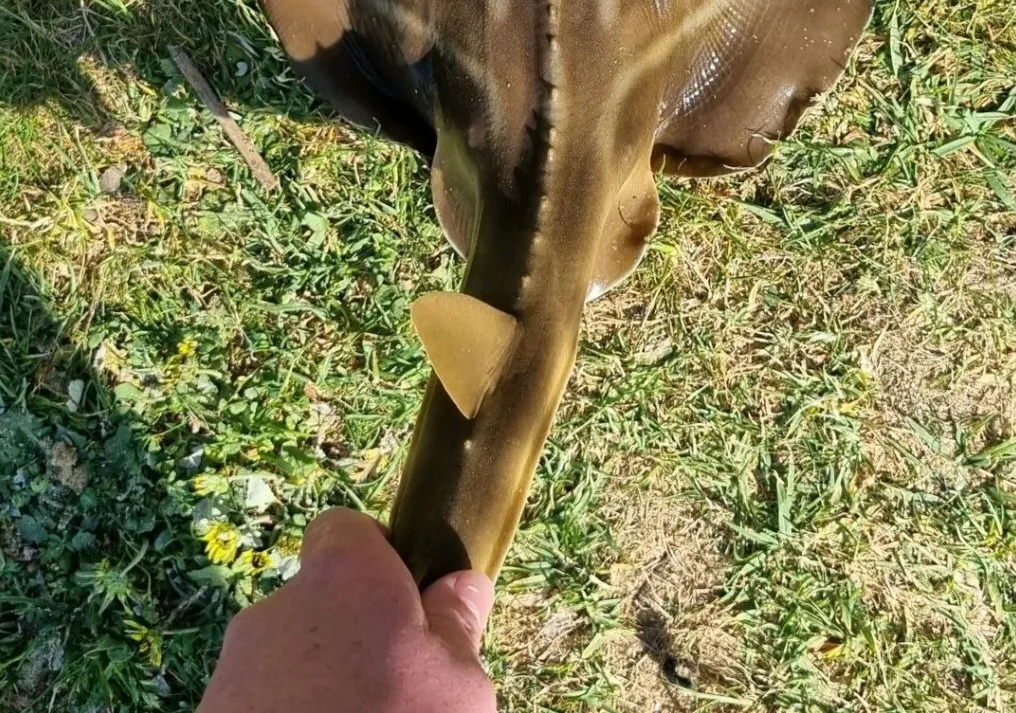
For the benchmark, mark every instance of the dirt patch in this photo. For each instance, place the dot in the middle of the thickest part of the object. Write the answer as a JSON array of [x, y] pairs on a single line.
[[944, 377], [934, 607], [912, 374], [615, 311], [121, 219], [896, 574], [678, 636], [675, 635], [63, 465], [532, 633], [928, 398]]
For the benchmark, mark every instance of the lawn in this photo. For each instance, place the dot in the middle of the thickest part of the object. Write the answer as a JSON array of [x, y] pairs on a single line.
[[783, 477]]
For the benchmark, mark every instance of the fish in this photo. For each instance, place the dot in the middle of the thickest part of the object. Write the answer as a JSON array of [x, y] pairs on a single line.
[[547, 124]]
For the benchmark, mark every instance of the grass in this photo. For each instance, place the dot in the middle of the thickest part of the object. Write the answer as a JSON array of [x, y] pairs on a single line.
[[784, 474]]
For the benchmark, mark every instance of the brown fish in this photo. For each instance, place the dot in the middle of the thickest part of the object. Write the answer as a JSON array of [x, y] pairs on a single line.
[[547, 122]]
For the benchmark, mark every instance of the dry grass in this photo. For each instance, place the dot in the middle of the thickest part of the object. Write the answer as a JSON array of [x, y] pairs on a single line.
[[784, 475]]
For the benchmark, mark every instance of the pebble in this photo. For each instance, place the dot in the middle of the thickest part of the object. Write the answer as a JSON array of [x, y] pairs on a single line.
[[111, 178]]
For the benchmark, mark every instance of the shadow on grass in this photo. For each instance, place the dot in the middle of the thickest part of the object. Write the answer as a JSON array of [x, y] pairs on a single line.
[[49, 49], [108, 600], [98, 601], [658, 644]]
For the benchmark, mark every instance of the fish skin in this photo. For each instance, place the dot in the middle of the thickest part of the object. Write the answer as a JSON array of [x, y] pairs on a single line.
[[547, 124]]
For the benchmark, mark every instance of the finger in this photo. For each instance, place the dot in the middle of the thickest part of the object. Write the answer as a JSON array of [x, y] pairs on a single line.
[[341, 531], [348, 553], [457, 608]]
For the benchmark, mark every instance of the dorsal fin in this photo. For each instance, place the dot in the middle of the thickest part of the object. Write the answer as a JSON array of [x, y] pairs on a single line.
[[466, 341]]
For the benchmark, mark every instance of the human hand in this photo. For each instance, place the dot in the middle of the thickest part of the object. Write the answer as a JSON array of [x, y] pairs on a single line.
[[350, 633]]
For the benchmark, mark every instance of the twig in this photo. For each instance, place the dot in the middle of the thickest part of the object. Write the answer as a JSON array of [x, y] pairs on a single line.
[[243, 144], [31, 225]]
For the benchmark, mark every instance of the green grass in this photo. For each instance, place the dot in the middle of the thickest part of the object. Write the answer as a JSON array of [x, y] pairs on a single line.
[[784, 474]]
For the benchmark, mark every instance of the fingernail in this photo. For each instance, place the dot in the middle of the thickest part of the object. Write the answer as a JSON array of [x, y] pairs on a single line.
[[476, 592]]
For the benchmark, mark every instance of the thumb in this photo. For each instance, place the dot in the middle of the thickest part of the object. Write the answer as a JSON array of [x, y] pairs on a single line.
[[457, 607]]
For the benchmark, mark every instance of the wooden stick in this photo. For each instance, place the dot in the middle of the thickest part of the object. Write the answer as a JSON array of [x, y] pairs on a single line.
[[258, 166]]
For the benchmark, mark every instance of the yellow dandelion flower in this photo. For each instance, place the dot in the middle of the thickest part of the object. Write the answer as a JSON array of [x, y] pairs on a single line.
[[222, 542], [288, 545], [261, 561], [149, 641], [251, 562]]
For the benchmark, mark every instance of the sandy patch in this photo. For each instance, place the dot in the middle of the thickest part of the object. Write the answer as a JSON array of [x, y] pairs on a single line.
[[678, 635]]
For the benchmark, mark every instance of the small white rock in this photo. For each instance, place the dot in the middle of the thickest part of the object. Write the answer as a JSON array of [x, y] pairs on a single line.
[[75, 393], [259, 496], [111, 178]]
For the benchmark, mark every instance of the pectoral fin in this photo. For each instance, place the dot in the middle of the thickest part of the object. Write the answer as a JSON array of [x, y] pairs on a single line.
[[456, 192], [466, 341], [744, 73], [371, 67]]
